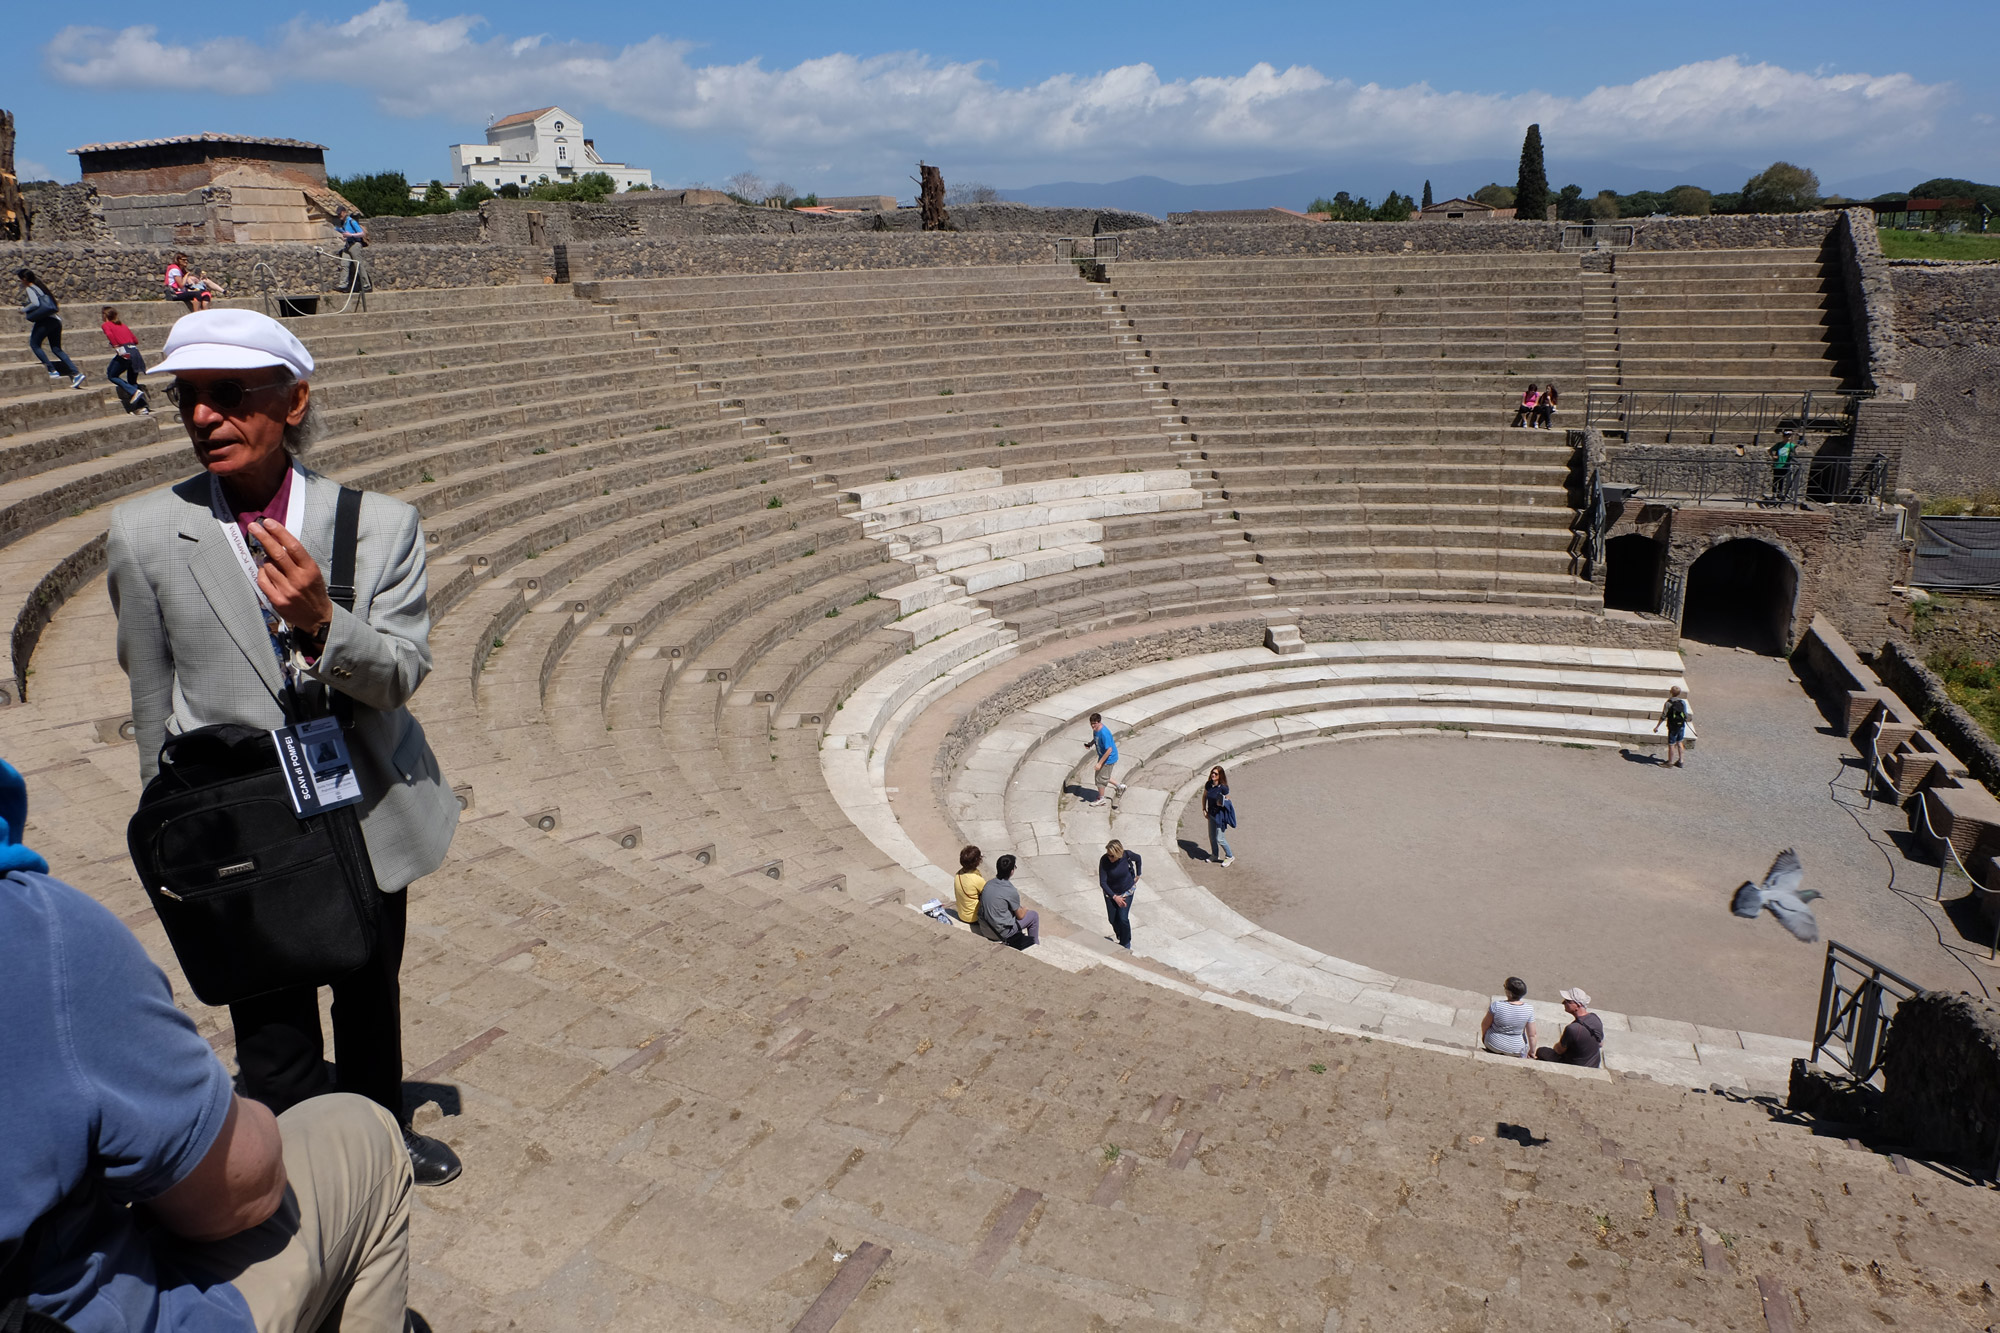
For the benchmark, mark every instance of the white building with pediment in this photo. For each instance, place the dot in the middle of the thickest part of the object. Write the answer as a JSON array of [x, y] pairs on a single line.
[[522, 148]]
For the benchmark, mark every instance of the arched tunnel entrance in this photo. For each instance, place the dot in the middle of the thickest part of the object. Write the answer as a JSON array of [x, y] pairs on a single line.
[[1740, 594], [1632, 573]]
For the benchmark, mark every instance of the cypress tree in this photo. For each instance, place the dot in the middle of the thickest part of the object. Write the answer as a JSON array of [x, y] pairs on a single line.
[[1427, 195], [1531, 193]]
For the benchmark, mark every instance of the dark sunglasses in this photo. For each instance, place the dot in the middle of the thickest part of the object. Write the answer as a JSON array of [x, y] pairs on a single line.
[[222, 395]]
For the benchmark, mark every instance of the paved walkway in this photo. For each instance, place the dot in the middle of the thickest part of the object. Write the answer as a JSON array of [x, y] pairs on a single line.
[[1460, 862]]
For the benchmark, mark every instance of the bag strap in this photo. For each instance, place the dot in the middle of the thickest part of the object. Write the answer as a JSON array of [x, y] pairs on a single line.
[[340, 584]]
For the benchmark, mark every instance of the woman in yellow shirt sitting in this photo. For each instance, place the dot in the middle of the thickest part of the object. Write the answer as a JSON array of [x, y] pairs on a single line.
[[967, 884]]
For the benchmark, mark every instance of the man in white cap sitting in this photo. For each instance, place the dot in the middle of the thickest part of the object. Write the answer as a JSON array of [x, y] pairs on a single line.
[[1581, 1042], [224, 611]]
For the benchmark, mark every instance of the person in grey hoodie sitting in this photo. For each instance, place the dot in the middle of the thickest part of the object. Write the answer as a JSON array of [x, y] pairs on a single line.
[[1000, 917]]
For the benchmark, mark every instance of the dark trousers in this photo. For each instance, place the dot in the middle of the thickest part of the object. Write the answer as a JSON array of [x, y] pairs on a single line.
[[1121, 919], [50, 331], [124, 372], [282, 1054]]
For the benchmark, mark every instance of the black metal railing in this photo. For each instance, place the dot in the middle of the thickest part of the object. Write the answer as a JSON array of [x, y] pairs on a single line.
[[1701, 417], [1751, 479], [1857, 1000]]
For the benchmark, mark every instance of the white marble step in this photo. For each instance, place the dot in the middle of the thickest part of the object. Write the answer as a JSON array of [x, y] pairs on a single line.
[[934, 622], [906, 489], [990, 574], [933, 505]]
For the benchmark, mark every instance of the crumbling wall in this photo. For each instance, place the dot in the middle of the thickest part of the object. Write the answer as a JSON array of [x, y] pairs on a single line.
[[1947, 343], [1941, 1078]]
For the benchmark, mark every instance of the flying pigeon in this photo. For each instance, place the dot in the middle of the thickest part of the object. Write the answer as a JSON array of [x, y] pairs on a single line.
[[1781, 894]]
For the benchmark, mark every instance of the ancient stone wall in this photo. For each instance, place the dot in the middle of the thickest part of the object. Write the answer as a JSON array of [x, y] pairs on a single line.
[[85, 273], [1941, 1077], [1752, 231], [1857, 247], [660, 257], [1947, 319], [66, 214]]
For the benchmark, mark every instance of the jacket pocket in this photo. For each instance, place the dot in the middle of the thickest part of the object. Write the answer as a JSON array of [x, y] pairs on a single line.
[[412, 757]]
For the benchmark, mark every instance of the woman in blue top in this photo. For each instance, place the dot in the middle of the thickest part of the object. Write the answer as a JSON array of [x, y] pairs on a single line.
[[1221, 815]]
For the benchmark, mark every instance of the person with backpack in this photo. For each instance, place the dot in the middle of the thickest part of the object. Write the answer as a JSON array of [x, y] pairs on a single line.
[[126, 364], [45, 326], [1675, 717], [1221, 814], [352, 233]]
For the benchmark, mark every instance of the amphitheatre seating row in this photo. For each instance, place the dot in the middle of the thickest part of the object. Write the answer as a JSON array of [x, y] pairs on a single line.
[[702, 1052], [683, 1098], [1021, 786], [1355, 415]]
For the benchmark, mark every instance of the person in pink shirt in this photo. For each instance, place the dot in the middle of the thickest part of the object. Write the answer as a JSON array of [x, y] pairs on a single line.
[[1524, 415], [126, 364]]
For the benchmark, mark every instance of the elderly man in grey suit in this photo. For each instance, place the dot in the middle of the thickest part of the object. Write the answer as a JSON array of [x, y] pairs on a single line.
[[220, 599]]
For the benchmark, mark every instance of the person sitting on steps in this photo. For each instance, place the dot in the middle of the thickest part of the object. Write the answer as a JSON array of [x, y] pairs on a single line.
[[1581, 1042], [1524, 414], [968, 884], [1000, 916], [1545, 407], [1508, 1027]]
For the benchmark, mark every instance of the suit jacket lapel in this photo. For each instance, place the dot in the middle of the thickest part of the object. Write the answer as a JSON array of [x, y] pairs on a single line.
[[221, 580]]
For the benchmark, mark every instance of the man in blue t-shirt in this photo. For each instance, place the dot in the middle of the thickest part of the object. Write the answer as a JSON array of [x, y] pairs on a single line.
[[352, 233], [1107, 755], [137, 1190]]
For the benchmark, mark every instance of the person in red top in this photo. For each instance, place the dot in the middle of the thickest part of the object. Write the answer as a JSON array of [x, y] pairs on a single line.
[[1524, 415], [126, 364]]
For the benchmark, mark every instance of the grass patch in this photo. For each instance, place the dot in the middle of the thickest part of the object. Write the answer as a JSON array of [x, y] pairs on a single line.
[[1939, 245], [1954, 506], [1973, 685]]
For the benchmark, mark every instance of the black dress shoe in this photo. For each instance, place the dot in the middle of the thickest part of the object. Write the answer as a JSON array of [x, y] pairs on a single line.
[[431, 1160]]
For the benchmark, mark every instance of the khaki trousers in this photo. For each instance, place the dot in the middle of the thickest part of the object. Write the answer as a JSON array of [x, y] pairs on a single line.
[[336, 1255]]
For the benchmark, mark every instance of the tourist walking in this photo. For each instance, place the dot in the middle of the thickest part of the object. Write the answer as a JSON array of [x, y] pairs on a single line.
[[1118, 876], [1509, 1025], [210, 633], [968, 884], [1545, 407], [1675, 715], [1215, 804], [1001, 918], [141, 1190], [45, 327], [1581, 1042], [1102, 741], [126, 364]]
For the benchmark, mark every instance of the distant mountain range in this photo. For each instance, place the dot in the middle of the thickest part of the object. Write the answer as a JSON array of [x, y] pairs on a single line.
[[1158, 196]]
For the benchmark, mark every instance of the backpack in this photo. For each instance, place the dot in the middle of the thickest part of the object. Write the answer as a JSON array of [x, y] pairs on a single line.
[[1677, 712]]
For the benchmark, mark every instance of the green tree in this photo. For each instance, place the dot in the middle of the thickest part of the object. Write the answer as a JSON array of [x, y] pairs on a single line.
[[1605, 205], [510, 191], [1427, 194], [1495, 195], [436, 198], [383, 194], [1690, 201], [1570, 206], [1951, 187], [472, 196], [1395, 208], [1781, 188], [1531, 193]]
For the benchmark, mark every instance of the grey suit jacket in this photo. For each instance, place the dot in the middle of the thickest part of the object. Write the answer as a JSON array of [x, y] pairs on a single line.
[[193, 644]]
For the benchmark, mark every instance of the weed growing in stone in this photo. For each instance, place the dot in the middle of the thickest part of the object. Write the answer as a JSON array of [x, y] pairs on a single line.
[[1111, 1153], [1317, 1067], [775, 502]]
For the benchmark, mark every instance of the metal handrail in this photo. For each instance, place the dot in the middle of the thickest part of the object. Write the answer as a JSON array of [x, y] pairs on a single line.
[[1750, 479], [1706, 413], [1855, 1015], [262, 269]]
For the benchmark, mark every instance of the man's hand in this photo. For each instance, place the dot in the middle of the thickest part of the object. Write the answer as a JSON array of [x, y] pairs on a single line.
[[291, 580]]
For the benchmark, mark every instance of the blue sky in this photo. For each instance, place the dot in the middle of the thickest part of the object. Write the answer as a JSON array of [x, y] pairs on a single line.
[[845, 98]]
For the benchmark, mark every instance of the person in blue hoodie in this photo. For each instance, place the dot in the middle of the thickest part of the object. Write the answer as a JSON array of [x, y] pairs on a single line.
[[137, 1189]]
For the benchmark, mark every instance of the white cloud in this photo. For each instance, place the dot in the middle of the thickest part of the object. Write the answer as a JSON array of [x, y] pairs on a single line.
[[869, 110]]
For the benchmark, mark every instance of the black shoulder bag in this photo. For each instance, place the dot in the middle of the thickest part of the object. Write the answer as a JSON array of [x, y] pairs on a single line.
[[254, 898]]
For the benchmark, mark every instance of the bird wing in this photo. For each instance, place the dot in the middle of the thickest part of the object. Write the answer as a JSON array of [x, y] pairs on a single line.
[[1749, 900], [1793, 915], [1786, 874]]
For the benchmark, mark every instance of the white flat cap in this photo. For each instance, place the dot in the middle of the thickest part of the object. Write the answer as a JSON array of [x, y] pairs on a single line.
[[232, 340], [1576, 995]]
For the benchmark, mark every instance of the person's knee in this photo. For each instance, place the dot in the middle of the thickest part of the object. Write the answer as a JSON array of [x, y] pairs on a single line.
[[347, 1130]]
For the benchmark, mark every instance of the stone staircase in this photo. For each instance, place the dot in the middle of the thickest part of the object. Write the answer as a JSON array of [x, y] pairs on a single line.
[[1354, 414], [706, 1067]]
